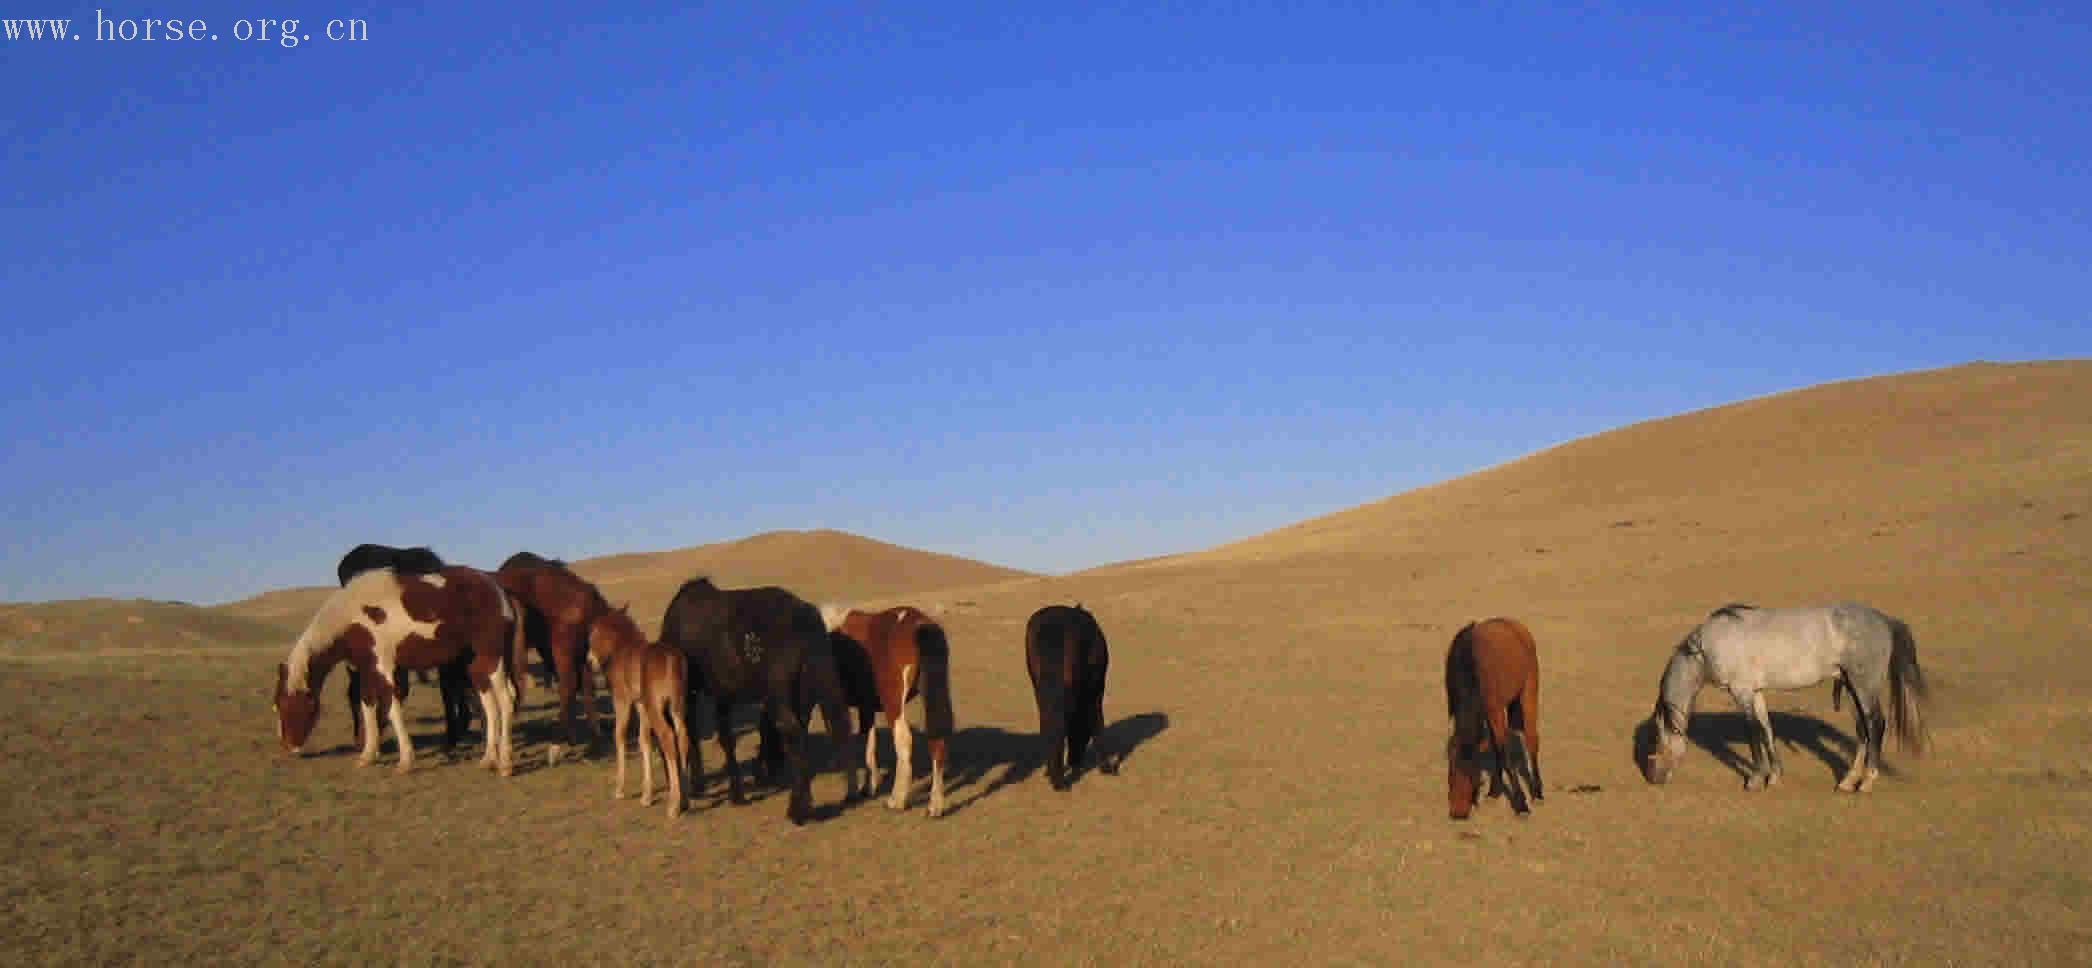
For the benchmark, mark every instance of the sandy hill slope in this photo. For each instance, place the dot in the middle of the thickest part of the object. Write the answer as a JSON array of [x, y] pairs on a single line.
[[821, 565], [119, 626]]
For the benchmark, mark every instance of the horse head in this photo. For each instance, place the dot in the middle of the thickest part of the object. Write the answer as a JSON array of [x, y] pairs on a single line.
[[296, 712], [1659, 742]]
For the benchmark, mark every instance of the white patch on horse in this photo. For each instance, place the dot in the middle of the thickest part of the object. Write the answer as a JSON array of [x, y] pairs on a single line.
[[903, 746]]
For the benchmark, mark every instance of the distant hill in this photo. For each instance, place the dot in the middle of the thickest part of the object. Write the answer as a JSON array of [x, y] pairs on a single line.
[[119, 625], [822, 565]]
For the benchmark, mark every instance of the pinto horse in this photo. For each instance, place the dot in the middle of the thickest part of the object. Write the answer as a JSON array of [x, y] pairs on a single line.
[[383, 623], [905, 653], [1492, 690], [766, 646], [559, 605], [1067, 657], [650, 682], [455, 685]]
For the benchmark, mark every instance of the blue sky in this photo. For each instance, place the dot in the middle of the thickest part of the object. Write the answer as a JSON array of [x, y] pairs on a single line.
[[1042, 286]]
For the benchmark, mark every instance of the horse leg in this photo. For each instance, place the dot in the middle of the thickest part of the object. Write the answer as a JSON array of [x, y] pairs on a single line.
[[505, 697], [903, 759], [353, 701], [367, 706], [871, 754], [1772, 747], [937, 805], [619, 716], [1860, 748], [1529, 736], [1499, 722], [564, 654], [678, 740], [397, 718], [793, 731], [649, 737], [1748, 703], [726, 748], [1879, 720]]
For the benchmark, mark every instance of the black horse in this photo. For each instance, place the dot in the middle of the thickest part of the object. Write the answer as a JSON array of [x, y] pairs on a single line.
[[454, 679], [765, 646], [1067, 657]]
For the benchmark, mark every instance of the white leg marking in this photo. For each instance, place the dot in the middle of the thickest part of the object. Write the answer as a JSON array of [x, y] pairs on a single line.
[[505, 695], [370, 732], [936, 786], [871, 760], [490, 708], [903, 747], [399, 733]]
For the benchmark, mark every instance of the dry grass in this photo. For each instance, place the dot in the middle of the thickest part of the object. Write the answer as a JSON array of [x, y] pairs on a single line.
[[1285, 794]]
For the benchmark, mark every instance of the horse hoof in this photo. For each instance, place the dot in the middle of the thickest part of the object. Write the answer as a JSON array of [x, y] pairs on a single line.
[[1109, 769], [936, 810], [896, 803], [361, 762]]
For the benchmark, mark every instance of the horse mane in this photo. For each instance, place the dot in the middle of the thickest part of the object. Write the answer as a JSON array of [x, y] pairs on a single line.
[[533, 560], [1460, 667], [1731, 610]]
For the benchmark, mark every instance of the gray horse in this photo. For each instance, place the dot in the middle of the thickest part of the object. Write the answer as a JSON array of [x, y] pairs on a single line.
[[1743, 650]]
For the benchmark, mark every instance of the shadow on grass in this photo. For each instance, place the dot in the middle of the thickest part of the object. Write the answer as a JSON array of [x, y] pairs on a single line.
[[1727, 737], [978, 751]]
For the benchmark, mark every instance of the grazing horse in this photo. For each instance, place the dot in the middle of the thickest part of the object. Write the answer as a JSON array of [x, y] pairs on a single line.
[[905, 654], [383, 623], [650, 682], [1492, 695], [1745, 650], [456, 686], [759, 645], [559, 606], [1067, 657]]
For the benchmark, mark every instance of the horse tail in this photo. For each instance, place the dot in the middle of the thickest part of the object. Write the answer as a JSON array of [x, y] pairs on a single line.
[[935, 679], [1460, 668], [518, 645], [1907, 689]]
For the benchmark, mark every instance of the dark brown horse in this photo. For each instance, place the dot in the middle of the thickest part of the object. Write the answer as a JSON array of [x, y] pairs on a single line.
[[1492, 693], [763, 646], [453, 681], [649, 682], [383, 623], [1067, 657], [906, 654], [558, 606]]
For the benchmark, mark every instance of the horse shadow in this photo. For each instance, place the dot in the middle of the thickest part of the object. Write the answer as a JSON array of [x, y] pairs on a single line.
[[1727, 737], [992, 758]]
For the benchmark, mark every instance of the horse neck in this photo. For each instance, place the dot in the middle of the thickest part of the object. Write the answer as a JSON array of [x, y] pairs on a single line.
[[1682, 679]]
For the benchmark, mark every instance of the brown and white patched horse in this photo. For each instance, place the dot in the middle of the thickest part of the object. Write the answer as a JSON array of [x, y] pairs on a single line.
[[383, 624], [1492, 695], [650, 680], [907, 654]]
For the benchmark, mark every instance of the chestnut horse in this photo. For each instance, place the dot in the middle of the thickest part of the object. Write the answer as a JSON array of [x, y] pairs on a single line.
[[1492, 691], [559, 606], [383, 623], [906, 653], [1067, 657], [648, 681], [456, 686], [760, 645]]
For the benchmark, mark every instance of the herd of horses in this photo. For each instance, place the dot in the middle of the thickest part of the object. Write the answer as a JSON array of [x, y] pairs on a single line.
[[404, 610], [401, 611]]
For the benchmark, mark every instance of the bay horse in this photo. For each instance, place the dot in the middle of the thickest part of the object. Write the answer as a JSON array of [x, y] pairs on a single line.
[[384, 623], [559, 605], [906, 654], [1067, 657], [759, 645], [452, 679], [648, 682], [1492, 696], [1744, 650]]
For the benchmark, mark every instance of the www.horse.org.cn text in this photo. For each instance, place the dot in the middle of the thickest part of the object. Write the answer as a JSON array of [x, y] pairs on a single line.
[[283, 32]]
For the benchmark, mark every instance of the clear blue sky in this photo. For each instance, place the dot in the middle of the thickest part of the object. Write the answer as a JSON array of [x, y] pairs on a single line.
[[1045, 287]]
